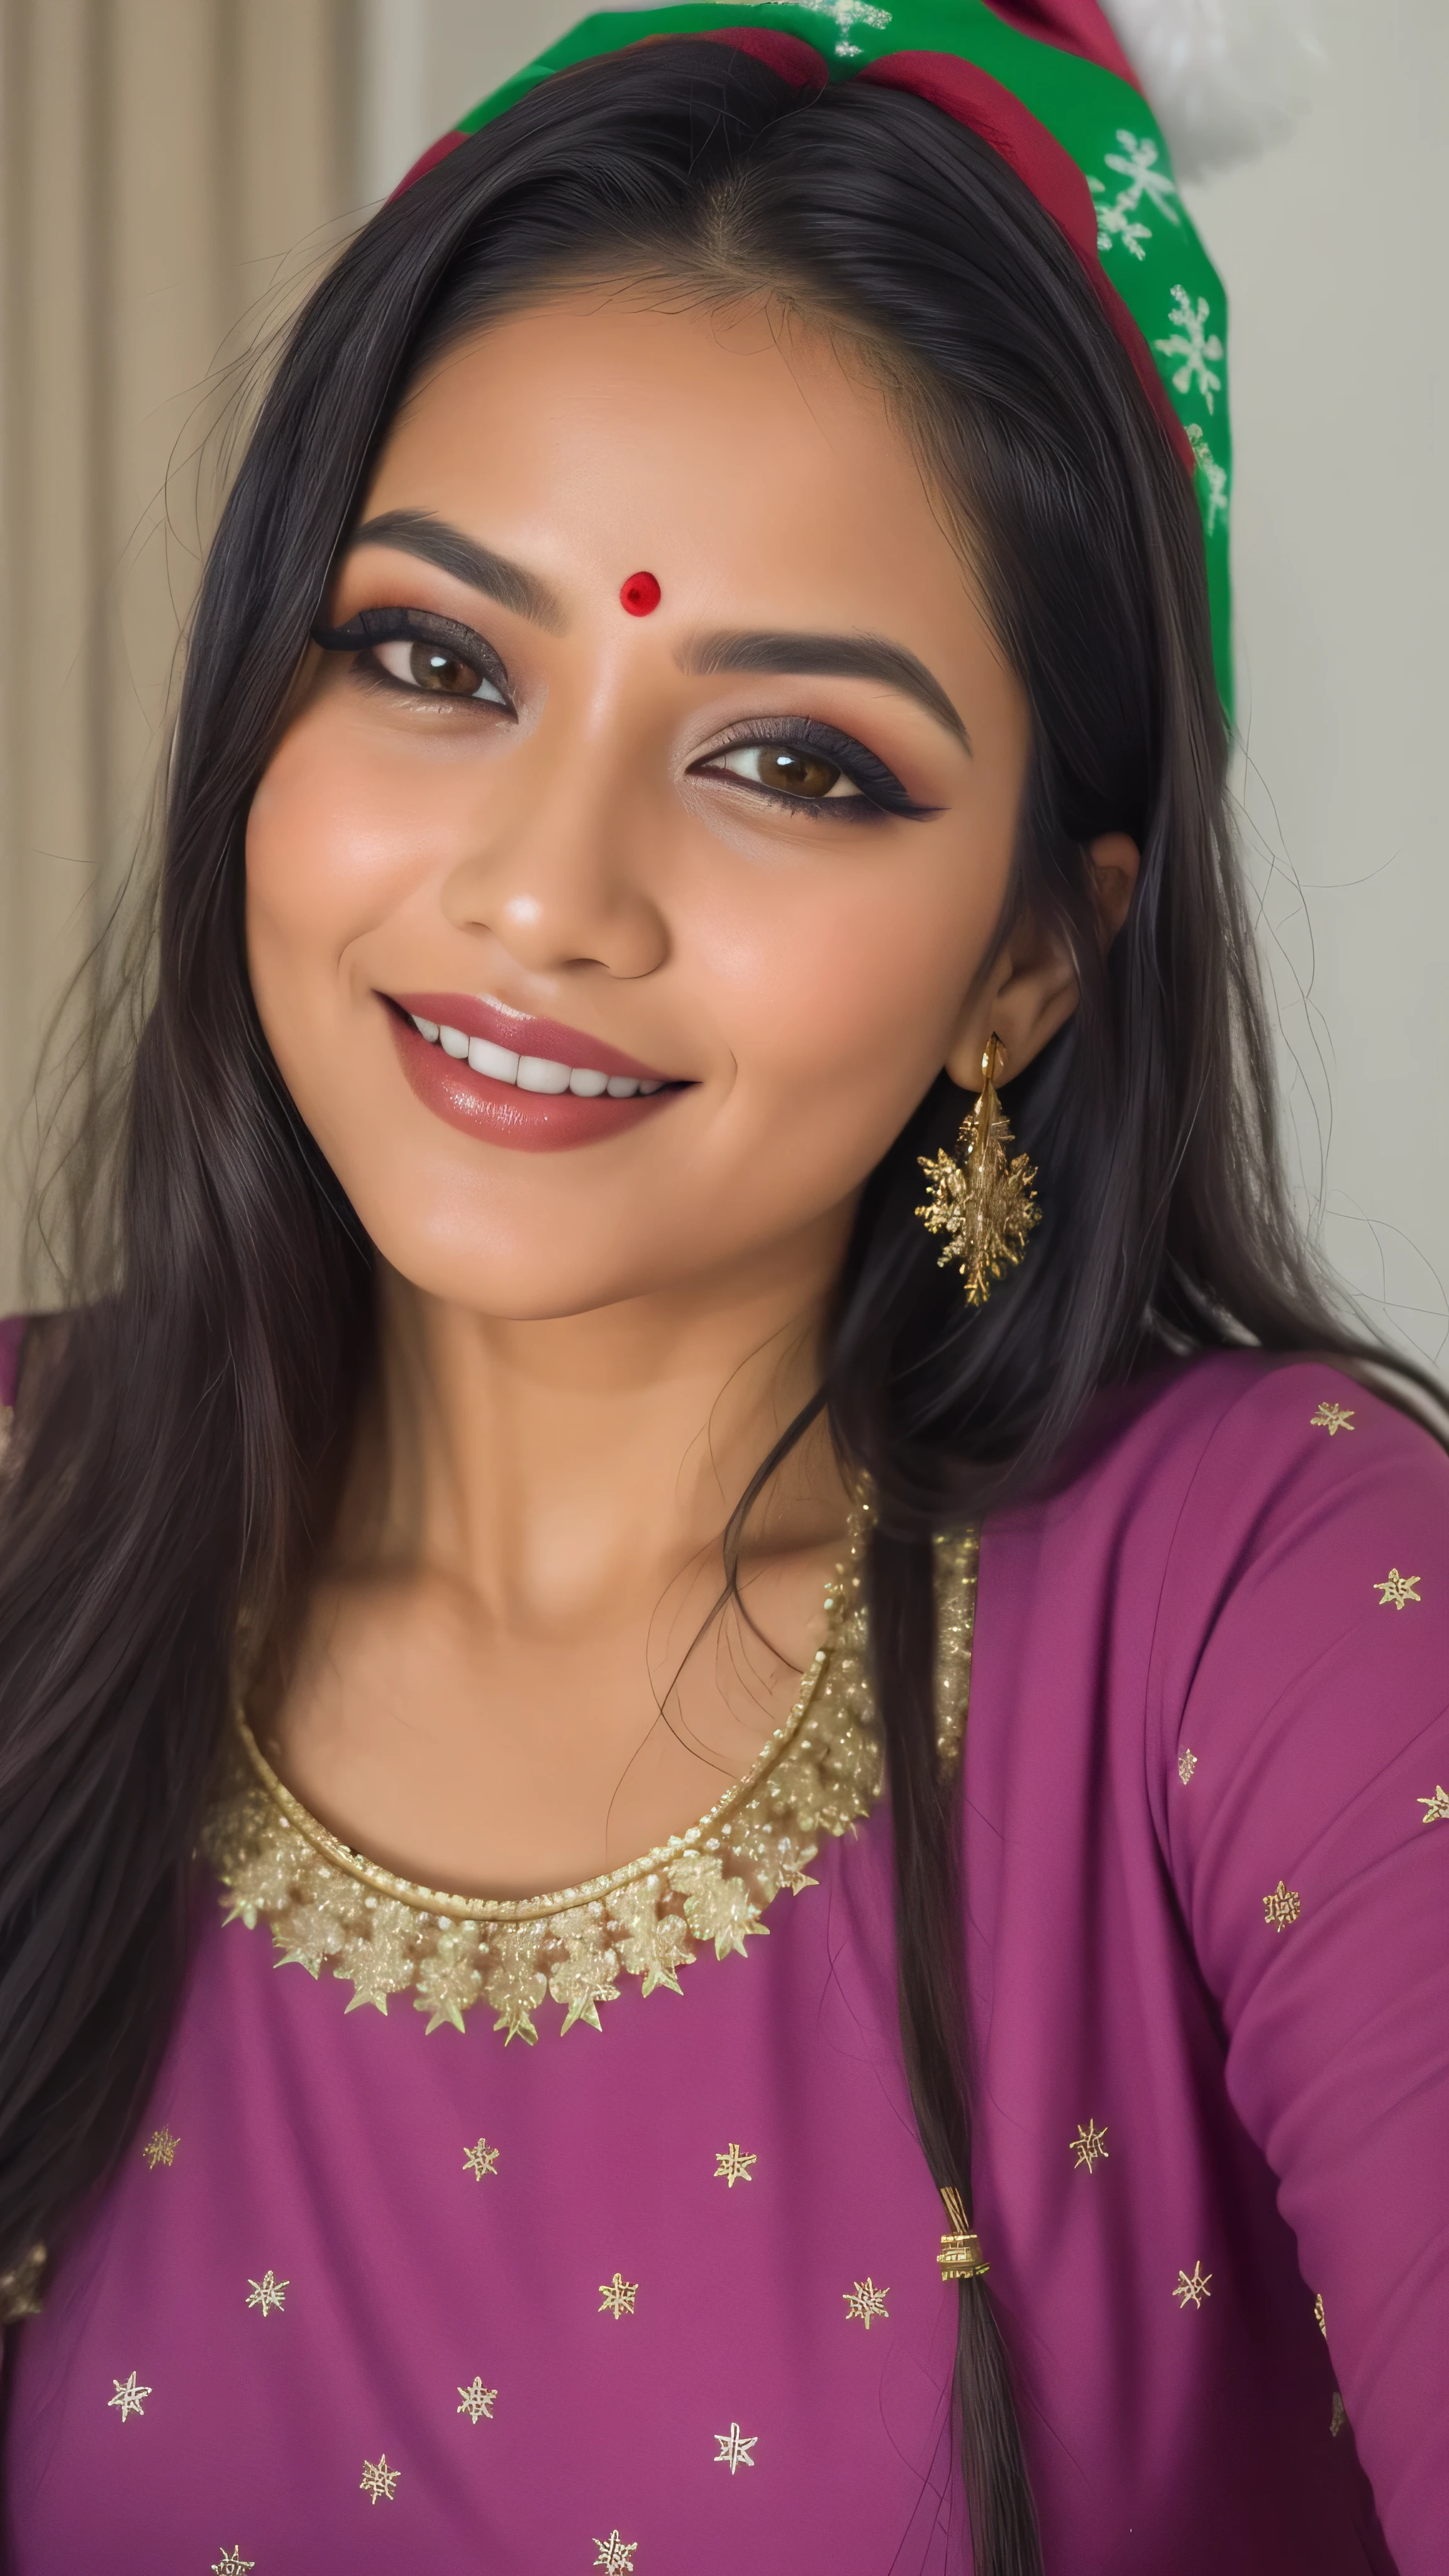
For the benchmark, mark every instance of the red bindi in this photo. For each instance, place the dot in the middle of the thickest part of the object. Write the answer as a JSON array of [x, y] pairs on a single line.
[[640, 594]]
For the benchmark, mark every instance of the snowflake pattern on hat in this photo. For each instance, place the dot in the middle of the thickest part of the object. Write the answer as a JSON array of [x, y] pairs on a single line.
[[1151, 259]]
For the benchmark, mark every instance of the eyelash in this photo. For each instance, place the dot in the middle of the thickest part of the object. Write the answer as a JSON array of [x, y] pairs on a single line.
[[881, 791], [374, 626]]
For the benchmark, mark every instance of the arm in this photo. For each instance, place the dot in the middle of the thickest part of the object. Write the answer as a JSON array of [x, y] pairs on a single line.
[[1305, 1664]]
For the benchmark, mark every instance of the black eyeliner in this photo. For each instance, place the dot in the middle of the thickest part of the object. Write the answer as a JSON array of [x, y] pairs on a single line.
[[372, 626], [881, 791]]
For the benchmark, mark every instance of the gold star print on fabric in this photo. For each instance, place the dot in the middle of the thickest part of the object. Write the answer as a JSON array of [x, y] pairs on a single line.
[[160, 2149], [477, 2401], [1436, 1809], [232, 2563], [1193, 2287], [1282, 1907], [1186, 1764], [734, 2449], [864, 2302], [129, 2397], [378, 2479], [616, 2555], [480, 2160], [618, 2296], [734, 2166], [1332, 1418], [1398, 1590], [1089, 2146], [267, 2293]]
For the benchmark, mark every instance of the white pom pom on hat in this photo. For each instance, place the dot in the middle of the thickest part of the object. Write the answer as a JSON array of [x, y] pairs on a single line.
[[1225, 77]]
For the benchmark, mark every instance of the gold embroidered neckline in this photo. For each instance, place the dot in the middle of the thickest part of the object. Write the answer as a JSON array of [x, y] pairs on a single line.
[[816, 1775]]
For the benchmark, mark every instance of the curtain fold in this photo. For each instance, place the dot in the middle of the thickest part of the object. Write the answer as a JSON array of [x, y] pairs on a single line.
[[172, 174]]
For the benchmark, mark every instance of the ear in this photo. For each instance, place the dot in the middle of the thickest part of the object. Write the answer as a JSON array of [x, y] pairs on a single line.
[[1031, 989]]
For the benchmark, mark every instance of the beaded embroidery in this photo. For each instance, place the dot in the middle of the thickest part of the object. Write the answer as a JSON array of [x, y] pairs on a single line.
[[815, 1777]]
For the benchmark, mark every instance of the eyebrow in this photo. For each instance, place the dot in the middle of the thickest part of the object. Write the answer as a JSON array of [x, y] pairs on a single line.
[[434, 541], [832, 657]]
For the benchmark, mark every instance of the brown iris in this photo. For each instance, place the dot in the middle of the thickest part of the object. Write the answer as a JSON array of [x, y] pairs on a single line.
[[797, 773], [446, 674]]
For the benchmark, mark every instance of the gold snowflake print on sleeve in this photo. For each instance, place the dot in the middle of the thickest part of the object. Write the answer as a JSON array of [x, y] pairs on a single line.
[[267, 2293], [232, 2563], [378, 2480], [130, 2396], [1281, 1906], [1193, 2287], [477, 2400], [616, 2555], [618, 2297], [1398, 1590], [160, 2148], [1332, 1418]]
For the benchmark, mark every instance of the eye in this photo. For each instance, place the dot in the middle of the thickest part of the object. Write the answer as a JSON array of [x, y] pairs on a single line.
[[435, 668], [426, 656], [801, 762], [788, 769]]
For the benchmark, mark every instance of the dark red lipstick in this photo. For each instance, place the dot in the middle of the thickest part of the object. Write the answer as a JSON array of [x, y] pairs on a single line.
[[511, 1079]]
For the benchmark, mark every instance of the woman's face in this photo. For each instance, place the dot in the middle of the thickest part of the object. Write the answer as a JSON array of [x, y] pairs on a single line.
[[747, 851]]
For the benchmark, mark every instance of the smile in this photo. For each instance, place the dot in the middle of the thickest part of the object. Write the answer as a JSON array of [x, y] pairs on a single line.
[[511, 1079], [532, 1072]]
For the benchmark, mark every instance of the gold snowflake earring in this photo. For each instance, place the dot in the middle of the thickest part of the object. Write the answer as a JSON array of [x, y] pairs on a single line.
[[986, 1210]]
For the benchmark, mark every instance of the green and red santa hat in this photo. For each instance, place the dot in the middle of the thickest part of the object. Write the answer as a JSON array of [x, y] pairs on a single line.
[[1049, 86]]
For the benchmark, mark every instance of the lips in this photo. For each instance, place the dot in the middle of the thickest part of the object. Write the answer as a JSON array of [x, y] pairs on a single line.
[[515, 1080]]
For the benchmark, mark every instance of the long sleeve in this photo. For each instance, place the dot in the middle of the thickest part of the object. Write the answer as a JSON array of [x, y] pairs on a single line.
[[1302, 1696]]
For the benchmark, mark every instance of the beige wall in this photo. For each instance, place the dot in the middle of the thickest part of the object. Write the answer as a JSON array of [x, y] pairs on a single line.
[[160, 157], [167, 168]]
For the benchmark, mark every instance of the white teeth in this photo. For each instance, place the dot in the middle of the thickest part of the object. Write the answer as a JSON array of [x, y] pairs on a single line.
[[531, 1072], [540, 1073], [499, 1063]]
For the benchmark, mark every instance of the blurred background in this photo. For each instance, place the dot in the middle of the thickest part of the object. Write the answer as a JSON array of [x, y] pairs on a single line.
[[175, 173]]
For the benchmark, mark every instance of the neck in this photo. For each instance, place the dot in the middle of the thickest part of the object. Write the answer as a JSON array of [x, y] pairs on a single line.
[[553, 1467]]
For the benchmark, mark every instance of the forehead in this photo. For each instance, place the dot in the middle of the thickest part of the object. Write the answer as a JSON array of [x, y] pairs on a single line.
[[598, 431]]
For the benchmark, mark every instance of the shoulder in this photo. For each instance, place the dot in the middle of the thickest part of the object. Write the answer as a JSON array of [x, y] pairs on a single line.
[[1310, 1509], [1243, 1548]]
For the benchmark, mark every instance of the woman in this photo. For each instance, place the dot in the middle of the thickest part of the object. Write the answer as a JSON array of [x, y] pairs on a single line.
[[707, 662]]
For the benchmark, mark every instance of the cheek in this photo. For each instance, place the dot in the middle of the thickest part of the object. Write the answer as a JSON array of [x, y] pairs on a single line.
[[842, 997], [333, 848]]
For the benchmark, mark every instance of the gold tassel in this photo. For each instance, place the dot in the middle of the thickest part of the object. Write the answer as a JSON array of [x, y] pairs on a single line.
[[960, 2257]]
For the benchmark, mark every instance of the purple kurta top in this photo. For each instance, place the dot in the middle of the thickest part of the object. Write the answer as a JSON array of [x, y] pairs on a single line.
[[1206, 1863]]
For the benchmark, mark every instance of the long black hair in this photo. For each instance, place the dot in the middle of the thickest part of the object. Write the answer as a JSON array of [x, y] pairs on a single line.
[[182, 1431]]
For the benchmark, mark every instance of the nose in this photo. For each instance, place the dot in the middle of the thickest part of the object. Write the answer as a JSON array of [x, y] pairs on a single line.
[[558, 871]]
